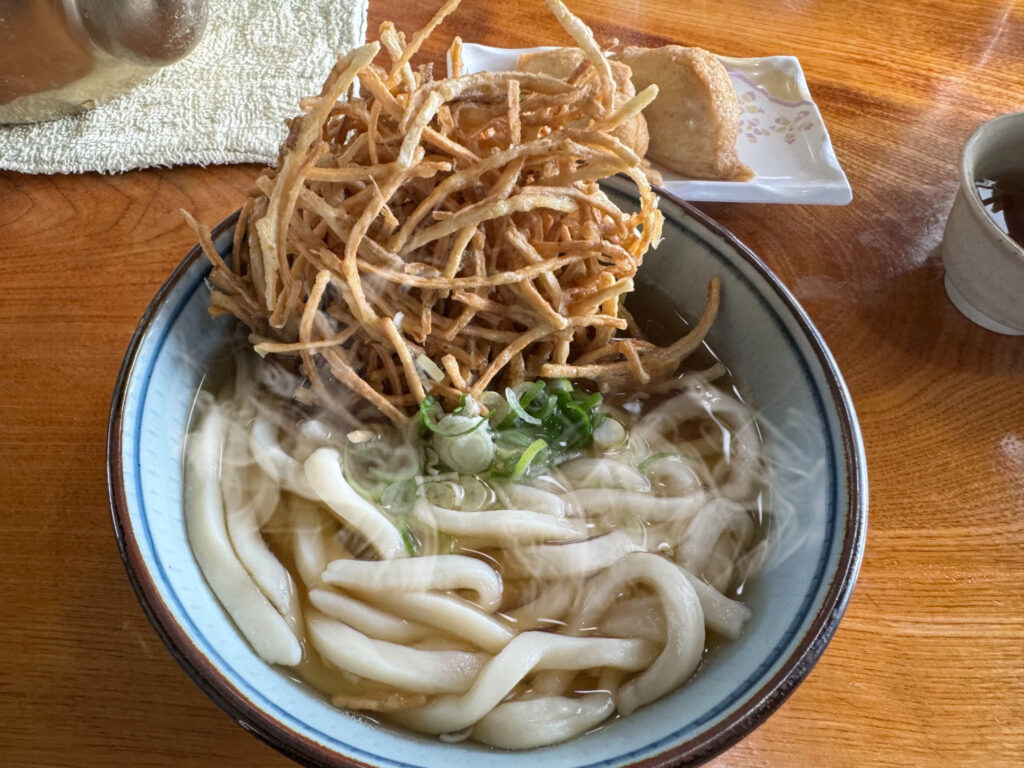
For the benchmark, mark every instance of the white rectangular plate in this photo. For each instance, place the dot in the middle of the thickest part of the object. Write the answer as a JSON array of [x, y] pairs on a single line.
[[782, 135]]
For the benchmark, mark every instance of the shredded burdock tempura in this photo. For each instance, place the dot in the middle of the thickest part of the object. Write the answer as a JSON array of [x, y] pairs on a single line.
[[441, 236]]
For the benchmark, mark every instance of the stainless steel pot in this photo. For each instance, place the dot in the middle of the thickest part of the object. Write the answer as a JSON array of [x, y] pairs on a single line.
[[58, 57]]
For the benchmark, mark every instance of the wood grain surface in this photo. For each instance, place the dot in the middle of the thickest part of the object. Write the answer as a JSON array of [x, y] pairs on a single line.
[[927, 668]]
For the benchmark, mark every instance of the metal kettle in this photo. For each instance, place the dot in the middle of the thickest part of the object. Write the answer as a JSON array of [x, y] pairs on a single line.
[[59, 57]]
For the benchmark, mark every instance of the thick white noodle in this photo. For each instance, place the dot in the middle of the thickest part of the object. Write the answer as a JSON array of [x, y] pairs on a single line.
[[542, 721], [721, 569], [368, 619], [529, 652], [636, 617], [312, 547], [493, 527], [323, 470], [548, 609], [450, 614], [419, 574], [643, 616], [676, 477], [599, 503], [411, 669], [253, 489], [602, 473], [278, 465], [577, 559], [530, 497], [708, 403], [243, 482], [715, 519], [248, 493], [265, 629], [684, 620], [721, 614], [266, 570]]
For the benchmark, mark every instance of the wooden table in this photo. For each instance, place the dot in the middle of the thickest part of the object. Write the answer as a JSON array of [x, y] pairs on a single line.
[[927, 668]]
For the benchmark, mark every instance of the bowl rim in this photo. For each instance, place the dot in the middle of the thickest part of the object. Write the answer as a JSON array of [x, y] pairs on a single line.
[[695, 751]]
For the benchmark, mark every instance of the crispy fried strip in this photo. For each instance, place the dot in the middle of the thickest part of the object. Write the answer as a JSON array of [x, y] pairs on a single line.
[[662, 358], [220, 270], [239, 237], [591, 302], [464, 178], [451, 367], [309, 363], [515, 127], [412, 378], [528, 199], [383, 702], [273, 226], [584, 38], [455, 56], [500, 278], [502, 359], [636, 365], [540, 306], [389, 37], [419, 38], [363, 173], [265, 348], [469, 206], [630, 109]]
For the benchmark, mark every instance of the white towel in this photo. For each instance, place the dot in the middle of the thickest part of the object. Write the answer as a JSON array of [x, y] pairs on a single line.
[[224, 103]]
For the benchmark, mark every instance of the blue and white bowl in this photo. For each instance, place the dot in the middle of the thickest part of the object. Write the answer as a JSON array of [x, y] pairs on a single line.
[[819, 502]]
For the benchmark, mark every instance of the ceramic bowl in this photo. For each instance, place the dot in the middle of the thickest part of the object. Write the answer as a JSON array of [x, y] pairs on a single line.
[[984, 266], [819, 498]]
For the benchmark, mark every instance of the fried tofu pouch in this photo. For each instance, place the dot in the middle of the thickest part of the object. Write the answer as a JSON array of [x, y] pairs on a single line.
[[562, 62], [694, 122]]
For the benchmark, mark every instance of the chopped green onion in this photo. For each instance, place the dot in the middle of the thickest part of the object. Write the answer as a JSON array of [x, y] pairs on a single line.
[[652, 459], [552, 416], [514, 439], [527, 458], [465, 450], [398, 498], [560, 385], [441, 493], [608, 432], [408, 540], [476, 494], [491, 400], [517, 408], [547, 409], [427, 404], [569, 427], [430, 460], [532, 392], [372, 493]]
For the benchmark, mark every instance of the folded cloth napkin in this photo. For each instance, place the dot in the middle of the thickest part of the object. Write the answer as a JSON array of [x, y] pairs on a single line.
[[224, 103]]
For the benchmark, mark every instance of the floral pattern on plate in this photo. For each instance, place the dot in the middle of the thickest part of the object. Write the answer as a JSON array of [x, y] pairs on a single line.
[[782, 134]]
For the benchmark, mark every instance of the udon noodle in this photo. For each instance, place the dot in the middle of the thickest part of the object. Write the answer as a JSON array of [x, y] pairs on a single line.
[[516, 611]]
